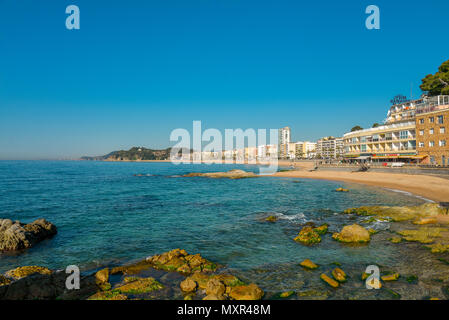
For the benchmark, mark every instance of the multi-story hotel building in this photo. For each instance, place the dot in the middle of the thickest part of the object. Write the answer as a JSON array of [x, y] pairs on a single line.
[[330, 148], [432, 127], [284, 140], [395, 140]]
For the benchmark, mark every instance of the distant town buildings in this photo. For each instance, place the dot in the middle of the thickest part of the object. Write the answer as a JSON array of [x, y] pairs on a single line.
[[330, 148], [284, 141]]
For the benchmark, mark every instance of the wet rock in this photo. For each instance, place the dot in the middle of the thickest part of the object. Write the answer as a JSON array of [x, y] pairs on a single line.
[[438, 247], [422, 221], [286, 294], [342, 190], [352, 234], [246, 292], [322, 229], [188, 285], [390, 277], [395, 240], [308, 264], [329, 281], [108, 295], [139, 286], [215, 287], [423, 234], [231, 174], [4, 281], [214, 297], [17, 236], [22, 272], [399, 213], [308, 236], [102, 276], [339, 275], [271, 219]]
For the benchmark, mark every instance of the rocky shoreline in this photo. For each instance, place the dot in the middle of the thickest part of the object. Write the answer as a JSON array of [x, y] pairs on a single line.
[[178, 275]]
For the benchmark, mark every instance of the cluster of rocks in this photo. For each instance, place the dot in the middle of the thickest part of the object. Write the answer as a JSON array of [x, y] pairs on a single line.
[[16, 236], [231, 174], [349, 234], [220, 287]]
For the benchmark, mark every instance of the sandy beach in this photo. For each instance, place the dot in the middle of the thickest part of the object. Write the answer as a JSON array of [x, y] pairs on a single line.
[[430, 187]]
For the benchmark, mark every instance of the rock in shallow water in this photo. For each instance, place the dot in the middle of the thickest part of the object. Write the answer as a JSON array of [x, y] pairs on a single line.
[[16, 236], [352, 234]]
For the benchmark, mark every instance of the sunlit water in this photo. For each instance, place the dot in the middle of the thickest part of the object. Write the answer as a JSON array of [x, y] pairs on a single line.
[[106, 214]]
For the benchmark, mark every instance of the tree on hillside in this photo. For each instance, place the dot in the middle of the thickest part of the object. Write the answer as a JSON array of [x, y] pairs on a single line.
[[356, 128], [438, 83], [375, 125]]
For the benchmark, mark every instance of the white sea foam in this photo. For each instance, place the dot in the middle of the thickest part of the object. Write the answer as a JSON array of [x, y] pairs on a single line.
[[410, 194]]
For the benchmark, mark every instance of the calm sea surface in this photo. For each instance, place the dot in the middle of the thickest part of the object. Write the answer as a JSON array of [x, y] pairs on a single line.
[[105, 214]]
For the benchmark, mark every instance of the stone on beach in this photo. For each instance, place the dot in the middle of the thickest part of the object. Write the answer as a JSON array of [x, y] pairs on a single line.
[[352, 234], [16, 236], [308, 264]]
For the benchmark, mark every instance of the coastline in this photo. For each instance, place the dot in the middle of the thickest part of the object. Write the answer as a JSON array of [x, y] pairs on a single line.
[[429, 187]]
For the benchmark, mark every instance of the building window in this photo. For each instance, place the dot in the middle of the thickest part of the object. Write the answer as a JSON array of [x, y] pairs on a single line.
[[431, 143], [442, 130], [442, 143], [421, 144], [421, 121], [421, 132], [403, 135], [440, 119], [363, 148], [431, 131], [431, 119]]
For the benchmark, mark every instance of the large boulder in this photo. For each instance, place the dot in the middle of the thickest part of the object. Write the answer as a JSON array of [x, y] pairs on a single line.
[[16, 236], [246, 292], [352, 234]]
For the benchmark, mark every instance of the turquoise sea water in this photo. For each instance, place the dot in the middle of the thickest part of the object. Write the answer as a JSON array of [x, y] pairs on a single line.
[[105, 214]]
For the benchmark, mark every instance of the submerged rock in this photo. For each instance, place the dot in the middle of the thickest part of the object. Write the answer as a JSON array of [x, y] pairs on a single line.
[[139, 285], [4, 281], [339, 275], [422, 234], [286, 294], [422, 221], [271, 219], [352, 234], [342, 190], [397, 213], [390, 277], [108, 295], [329, 281], [17, 236], [308, 264], [231, 174]]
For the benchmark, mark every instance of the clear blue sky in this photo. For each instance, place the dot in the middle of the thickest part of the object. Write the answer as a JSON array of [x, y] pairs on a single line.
[[138, 69]]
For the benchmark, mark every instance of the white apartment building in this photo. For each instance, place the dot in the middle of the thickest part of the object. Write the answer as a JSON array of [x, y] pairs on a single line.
[[330, 148]]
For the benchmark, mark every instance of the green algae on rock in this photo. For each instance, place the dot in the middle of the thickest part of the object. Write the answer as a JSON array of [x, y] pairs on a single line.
[[286, 294], [397, 213], [307, 236], [352, 234], [423, 234], [271, 219], [108, 295], [321, 230], [139, 285], [390, 277], [22, 272]]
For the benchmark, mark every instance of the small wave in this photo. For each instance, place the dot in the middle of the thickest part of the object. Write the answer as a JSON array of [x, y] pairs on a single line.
[[410, 194], [290, 217]]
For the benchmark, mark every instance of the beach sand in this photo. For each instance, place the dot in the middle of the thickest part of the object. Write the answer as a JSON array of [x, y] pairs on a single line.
[[430, 187]]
